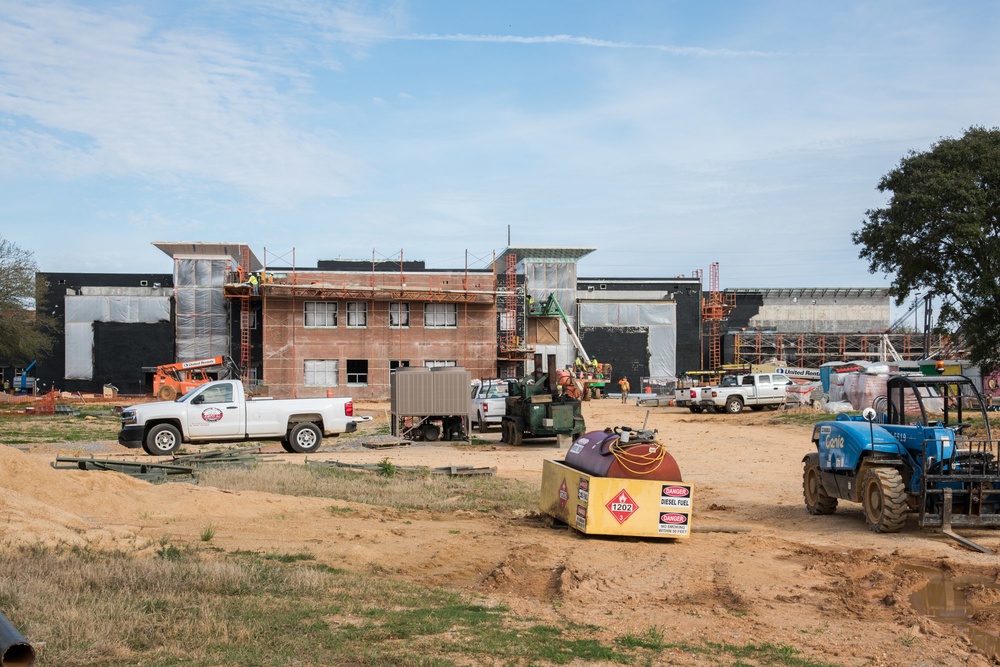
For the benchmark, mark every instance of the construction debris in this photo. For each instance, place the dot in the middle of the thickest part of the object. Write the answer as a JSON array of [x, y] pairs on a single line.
[[384, 441], [451, 471], [181, 468]]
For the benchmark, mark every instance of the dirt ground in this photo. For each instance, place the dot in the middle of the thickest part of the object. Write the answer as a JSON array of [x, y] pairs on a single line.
[[824, 585]]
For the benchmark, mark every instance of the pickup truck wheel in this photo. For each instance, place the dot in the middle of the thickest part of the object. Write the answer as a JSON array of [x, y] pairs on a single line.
[[287, 446], [305, 438], [162, 440], [773, 406], [694, 408], [734, 405], [818, 501], [883, 497], [483, 426]]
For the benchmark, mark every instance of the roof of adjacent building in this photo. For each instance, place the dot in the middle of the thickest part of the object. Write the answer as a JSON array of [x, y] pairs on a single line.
[[232, 251]]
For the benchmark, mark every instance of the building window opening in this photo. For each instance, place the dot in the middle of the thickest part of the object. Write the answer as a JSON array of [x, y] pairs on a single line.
[[440, 315], [399, 315], [357, 372], [320, 313], [438, 363], [357, 314], [321, 373]]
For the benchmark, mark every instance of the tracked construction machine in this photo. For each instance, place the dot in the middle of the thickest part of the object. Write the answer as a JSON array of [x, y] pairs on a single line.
[[911, 452]]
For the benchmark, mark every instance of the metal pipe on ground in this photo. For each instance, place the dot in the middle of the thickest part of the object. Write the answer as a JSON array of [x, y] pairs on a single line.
[[15, 651]]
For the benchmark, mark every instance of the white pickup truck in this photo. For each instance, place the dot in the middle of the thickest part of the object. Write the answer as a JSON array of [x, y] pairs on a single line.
[[220, 412], [489, 403], [756, 391]]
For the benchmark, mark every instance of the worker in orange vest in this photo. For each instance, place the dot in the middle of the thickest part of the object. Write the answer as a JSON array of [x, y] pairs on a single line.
[[623, 383]]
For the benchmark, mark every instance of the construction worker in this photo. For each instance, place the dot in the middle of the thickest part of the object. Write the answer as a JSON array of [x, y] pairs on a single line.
[[253, 282], [623, 383]]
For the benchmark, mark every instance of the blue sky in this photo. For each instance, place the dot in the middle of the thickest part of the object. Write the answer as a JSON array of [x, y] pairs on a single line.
[[668, 134]]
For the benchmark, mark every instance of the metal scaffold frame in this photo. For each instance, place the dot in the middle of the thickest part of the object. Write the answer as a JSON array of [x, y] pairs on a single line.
[[810, 350]]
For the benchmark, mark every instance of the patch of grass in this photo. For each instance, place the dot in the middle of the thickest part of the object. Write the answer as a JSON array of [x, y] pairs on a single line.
[[652, 638], [759, 654], [275, 556], [56, 429], [207, 533], [249, 608], [402, 491], [386, 468], [168, 551]]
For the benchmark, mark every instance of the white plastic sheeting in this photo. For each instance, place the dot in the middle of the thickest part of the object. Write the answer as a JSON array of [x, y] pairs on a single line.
[[660, 318], [82, 311], [861, 388], [202, 328]]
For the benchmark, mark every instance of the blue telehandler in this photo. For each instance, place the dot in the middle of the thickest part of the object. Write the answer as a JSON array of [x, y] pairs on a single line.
[[911, 452]]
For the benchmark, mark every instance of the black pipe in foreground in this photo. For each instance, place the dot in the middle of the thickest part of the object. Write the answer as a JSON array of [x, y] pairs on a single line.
[[15, 651]]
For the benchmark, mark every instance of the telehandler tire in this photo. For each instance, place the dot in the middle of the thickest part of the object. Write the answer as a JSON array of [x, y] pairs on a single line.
[[818, 501], [883, 498], [734, 405], [167, 393]]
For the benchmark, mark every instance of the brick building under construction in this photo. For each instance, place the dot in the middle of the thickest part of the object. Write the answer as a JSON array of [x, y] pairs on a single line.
[[342, 327]]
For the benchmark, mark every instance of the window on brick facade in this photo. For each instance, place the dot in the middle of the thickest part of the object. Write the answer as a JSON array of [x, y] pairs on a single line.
[[357, 313], [436, 363], [321, 373], [438, 315], [357, 371], [394, 364], [399, 315], [320, 313]]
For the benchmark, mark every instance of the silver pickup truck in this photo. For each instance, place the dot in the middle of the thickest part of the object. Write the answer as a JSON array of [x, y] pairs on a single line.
[[220, 412], [489, 403], [756, 391]]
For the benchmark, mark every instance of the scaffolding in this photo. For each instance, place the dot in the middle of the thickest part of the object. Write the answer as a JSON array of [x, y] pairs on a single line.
[[811, 350], [715, 309], [388, 343]]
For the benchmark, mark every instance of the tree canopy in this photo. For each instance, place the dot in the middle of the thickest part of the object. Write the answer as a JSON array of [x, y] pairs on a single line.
[[940, 234], [21, 340]]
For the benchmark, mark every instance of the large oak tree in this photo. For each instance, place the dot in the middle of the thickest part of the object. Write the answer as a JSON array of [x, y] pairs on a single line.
[[940, 234], [21, 339]]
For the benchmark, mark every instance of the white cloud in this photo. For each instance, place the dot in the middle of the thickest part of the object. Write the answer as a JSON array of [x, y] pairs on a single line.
[[93, 93]]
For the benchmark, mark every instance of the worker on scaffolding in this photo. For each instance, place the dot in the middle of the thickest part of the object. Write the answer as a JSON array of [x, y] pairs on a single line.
[[253, 282]]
